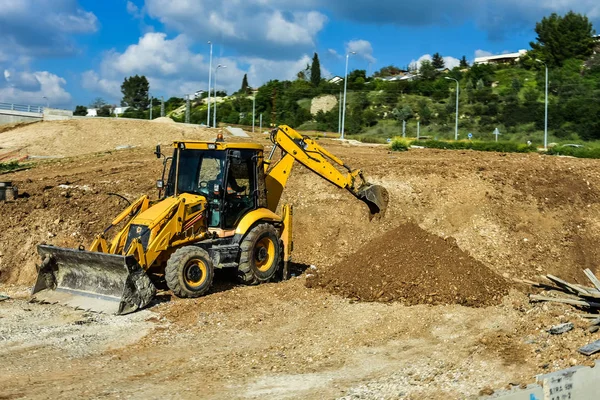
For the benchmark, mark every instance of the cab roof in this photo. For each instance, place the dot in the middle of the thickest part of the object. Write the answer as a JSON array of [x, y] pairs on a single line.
[[200, 145]]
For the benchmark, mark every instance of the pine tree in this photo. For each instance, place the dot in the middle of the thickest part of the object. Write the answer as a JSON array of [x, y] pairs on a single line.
[[464, 63], [244, 89], [437, 61], [315, 71]]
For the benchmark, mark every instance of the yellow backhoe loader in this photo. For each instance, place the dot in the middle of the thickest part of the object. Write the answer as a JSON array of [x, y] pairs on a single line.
[[217, 209]]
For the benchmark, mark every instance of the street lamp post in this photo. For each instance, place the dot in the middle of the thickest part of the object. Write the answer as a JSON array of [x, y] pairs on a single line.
[[340, 114], [209, 79], [150, 96], [253, 110], [457, 95], [545, 108], [345, 88], [215, 86]]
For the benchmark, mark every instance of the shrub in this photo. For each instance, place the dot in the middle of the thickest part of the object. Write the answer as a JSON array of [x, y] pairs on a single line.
[[503, 147], [400, 145], [579, 152], [9, 166]]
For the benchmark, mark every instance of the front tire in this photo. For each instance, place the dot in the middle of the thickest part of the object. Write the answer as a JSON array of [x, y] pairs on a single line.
[[260, 255], [189, 272]]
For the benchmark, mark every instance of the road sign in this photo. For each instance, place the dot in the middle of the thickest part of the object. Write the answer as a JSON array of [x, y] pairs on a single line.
[[470, 136]]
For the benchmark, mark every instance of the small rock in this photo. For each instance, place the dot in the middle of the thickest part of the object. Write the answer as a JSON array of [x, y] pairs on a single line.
[[486, 391], [561, 328], [594, 329], [573, 362]]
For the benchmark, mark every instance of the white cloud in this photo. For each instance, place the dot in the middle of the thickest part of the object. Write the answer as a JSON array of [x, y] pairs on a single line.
[[31, 87], [42, 28], [133, 10], [363, 48], [264, 28], [482, 53], [449, 62], [173, 69]]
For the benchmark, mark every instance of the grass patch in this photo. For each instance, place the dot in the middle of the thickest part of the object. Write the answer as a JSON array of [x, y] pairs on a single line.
[[9, 166], [579, 152], [501, 147], [368, 139]]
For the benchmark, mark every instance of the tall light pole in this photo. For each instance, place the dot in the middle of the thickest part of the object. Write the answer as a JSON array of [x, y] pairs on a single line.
[[209, 79], [345, 88], [254, 109], [457, 95], [340, 114], [215, 86], [546, 108], [150, 97]]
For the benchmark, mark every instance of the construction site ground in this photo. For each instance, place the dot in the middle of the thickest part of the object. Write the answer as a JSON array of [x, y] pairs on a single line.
[[418, 304]]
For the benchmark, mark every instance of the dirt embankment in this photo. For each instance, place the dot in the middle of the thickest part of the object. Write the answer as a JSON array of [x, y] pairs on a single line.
[[83, 136], [415, 267]]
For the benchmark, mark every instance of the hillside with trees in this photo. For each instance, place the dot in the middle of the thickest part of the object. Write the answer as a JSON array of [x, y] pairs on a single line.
[[509, 97]]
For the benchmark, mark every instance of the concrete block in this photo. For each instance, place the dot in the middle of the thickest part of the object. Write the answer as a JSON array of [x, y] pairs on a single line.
[[55, 114]]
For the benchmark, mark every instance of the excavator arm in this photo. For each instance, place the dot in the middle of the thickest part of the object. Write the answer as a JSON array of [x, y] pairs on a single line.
[[309, 153]]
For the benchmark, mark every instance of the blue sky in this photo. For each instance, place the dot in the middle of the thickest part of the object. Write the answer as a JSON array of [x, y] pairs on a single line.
[[72, 51]]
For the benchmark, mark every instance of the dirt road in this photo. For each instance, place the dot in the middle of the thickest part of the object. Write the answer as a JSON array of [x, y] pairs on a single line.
[[516, 215]]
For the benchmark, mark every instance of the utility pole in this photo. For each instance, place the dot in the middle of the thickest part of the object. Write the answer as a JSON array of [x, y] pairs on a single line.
[[345, 88], [340, 114], [187, 108], [418, 129], [209, 81], [253, 110], [261, 123], [457, 95], [546, 108], [150, 107], [404, 128], [215, 105], [162, 106]]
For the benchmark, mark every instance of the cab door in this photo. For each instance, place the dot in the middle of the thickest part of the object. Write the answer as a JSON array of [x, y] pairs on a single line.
[[240, 186]]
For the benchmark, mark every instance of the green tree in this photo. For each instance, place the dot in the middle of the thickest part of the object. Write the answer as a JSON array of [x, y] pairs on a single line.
[[80, 111], [390, 70], [437, 61], [463, 62], [516, 85], [135, 92], [244, 88], [104, 111], [315, 71], [427, 70], [562, 37], [402, 113], [97, 103]]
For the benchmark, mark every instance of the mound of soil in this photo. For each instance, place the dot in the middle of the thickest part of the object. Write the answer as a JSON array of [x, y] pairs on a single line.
[[164, 120], [84, 136], [410, 265]]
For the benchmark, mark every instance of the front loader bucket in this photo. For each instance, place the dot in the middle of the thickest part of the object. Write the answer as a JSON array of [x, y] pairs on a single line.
[[376, 197], [93, 281]]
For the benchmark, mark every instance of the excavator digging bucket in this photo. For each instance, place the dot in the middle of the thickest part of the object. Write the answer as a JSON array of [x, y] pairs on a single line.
[[376, 197], [100, 282]]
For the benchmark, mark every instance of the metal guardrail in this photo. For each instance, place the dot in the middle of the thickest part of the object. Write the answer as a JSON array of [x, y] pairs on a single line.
[[22, 108]]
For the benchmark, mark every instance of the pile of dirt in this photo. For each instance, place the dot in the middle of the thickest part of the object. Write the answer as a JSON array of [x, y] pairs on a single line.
[[84, 136], [164, 120], [410, 265]]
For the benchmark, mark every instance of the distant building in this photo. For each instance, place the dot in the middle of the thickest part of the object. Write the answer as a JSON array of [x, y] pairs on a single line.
[[119, 110], [336, 79], [92, 112], [444, 70], [405, 76], [509, 58]]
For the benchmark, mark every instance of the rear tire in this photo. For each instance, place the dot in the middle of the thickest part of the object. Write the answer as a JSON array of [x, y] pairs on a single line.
[[260, 255], [189, 272]]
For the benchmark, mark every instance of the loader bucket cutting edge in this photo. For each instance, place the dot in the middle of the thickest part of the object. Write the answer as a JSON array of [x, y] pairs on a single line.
[[376, 197], [100, 282]]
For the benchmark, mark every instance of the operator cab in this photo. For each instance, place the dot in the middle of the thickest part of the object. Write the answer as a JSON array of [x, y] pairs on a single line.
[[228, 176]]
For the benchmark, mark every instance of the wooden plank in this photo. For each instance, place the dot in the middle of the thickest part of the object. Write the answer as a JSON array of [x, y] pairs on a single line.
[[588, 272], [567, 285], [580, 303], [591, 348], [595, 322]]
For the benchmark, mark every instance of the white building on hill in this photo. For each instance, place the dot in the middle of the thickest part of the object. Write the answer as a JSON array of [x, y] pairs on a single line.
[[508, 58]]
